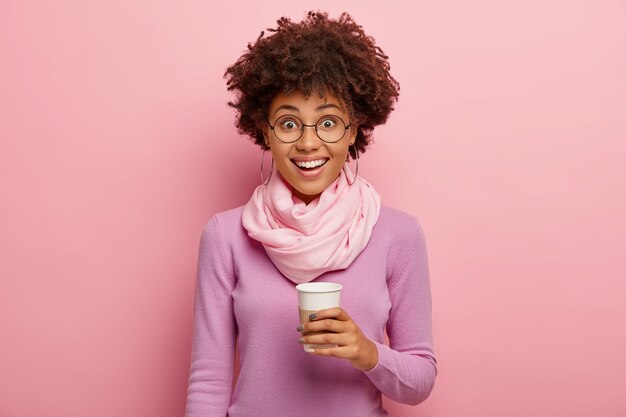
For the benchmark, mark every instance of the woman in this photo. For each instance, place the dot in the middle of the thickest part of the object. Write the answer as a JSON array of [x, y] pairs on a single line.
[[311, 93]]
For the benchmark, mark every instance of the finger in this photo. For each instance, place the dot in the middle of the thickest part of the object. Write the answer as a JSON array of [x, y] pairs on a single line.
[[338, 352], [328, 338], [336, 313], [330, 325]]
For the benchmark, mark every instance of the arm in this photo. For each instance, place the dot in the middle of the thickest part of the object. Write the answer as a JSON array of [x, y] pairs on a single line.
[[214, 330], [406, 371]]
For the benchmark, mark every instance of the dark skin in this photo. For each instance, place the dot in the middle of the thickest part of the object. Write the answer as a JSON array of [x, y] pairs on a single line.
[[345, 333]]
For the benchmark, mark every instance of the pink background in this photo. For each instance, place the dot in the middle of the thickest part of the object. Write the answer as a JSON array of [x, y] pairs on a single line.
[[508, 144]]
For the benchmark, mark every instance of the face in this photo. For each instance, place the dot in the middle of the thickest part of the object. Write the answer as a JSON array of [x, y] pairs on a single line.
[[308, 184]]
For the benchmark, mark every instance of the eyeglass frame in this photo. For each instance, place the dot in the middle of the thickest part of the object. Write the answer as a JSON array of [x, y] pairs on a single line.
[[346, 127]]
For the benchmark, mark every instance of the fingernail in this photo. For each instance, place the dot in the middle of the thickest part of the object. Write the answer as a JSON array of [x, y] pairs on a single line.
[[312, 316], [300, 328], [301, 340]]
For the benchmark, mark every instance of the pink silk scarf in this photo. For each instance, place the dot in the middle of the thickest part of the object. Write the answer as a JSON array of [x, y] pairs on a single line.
[[304, 241]]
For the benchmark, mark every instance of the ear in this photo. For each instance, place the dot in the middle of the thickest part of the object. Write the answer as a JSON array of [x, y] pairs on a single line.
[[353, 133], [265, 136]]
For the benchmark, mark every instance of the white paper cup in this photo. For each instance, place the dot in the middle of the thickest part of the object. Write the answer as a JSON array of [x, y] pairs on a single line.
[[315, 296]]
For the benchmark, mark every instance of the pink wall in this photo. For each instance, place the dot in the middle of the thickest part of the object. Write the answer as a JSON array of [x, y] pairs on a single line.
[[116, 146]]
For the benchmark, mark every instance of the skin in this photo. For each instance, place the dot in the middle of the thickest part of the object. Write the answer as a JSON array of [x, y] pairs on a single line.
[[351, 343], [309, 110]]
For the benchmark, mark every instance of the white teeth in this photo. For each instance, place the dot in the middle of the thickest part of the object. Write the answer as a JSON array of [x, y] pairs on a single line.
[[311, 164]]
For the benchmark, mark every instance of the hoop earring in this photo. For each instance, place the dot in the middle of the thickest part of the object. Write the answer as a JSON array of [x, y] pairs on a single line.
[[356, 152], [271, 169]]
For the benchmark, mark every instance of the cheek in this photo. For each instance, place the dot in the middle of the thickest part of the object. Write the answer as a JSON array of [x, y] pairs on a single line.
[[277, 154], [283, 164]]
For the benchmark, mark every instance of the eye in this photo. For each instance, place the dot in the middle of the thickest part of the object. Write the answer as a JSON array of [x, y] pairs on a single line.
[[288, 124], [328, 123]]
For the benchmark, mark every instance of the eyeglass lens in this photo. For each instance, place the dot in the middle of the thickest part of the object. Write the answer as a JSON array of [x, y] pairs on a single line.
[[329, 128]]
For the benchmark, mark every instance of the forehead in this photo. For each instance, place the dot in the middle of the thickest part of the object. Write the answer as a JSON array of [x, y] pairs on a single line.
[[296, 102]]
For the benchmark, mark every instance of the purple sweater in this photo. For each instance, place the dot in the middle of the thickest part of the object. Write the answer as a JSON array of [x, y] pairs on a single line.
[[243, 301]]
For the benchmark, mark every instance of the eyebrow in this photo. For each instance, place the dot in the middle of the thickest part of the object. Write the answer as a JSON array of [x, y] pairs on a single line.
[[297, 110]]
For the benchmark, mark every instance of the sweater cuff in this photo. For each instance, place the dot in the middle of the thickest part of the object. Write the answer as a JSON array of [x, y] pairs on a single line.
[[380, 373]]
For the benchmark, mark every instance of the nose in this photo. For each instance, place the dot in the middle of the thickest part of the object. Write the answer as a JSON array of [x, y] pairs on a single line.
[[309, 139]]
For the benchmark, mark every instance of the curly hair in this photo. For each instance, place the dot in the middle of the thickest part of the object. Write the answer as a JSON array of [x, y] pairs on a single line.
[[320, 54]]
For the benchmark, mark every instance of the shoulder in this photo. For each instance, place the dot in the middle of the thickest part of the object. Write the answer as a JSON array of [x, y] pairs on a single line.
[[402, 235], [228, 218], [400, 225], [224, 225], [223, 236]]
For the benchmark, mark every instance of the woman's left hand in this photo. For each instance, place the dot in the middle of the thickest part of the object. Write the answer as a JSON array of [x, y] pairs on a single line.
[[345, 333]]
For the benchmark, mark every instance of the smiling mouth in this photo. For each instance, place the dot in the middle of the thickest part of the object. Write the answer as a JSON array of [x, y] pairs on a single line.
[[309, 169]]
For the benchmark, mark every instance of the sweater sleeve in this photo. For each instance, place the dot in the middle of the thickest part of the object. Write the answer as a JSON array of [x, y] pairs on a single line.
[[406, 369], [214, 330]]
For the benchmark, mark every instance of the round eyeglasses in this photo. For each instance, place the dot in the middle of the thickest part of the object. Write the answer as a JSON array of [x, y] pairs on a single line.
[[289, 128]]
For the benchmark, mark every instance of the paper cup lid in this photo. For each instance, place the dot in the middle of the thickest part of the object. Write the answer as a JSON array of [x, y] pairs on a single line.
[[319, 287]]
